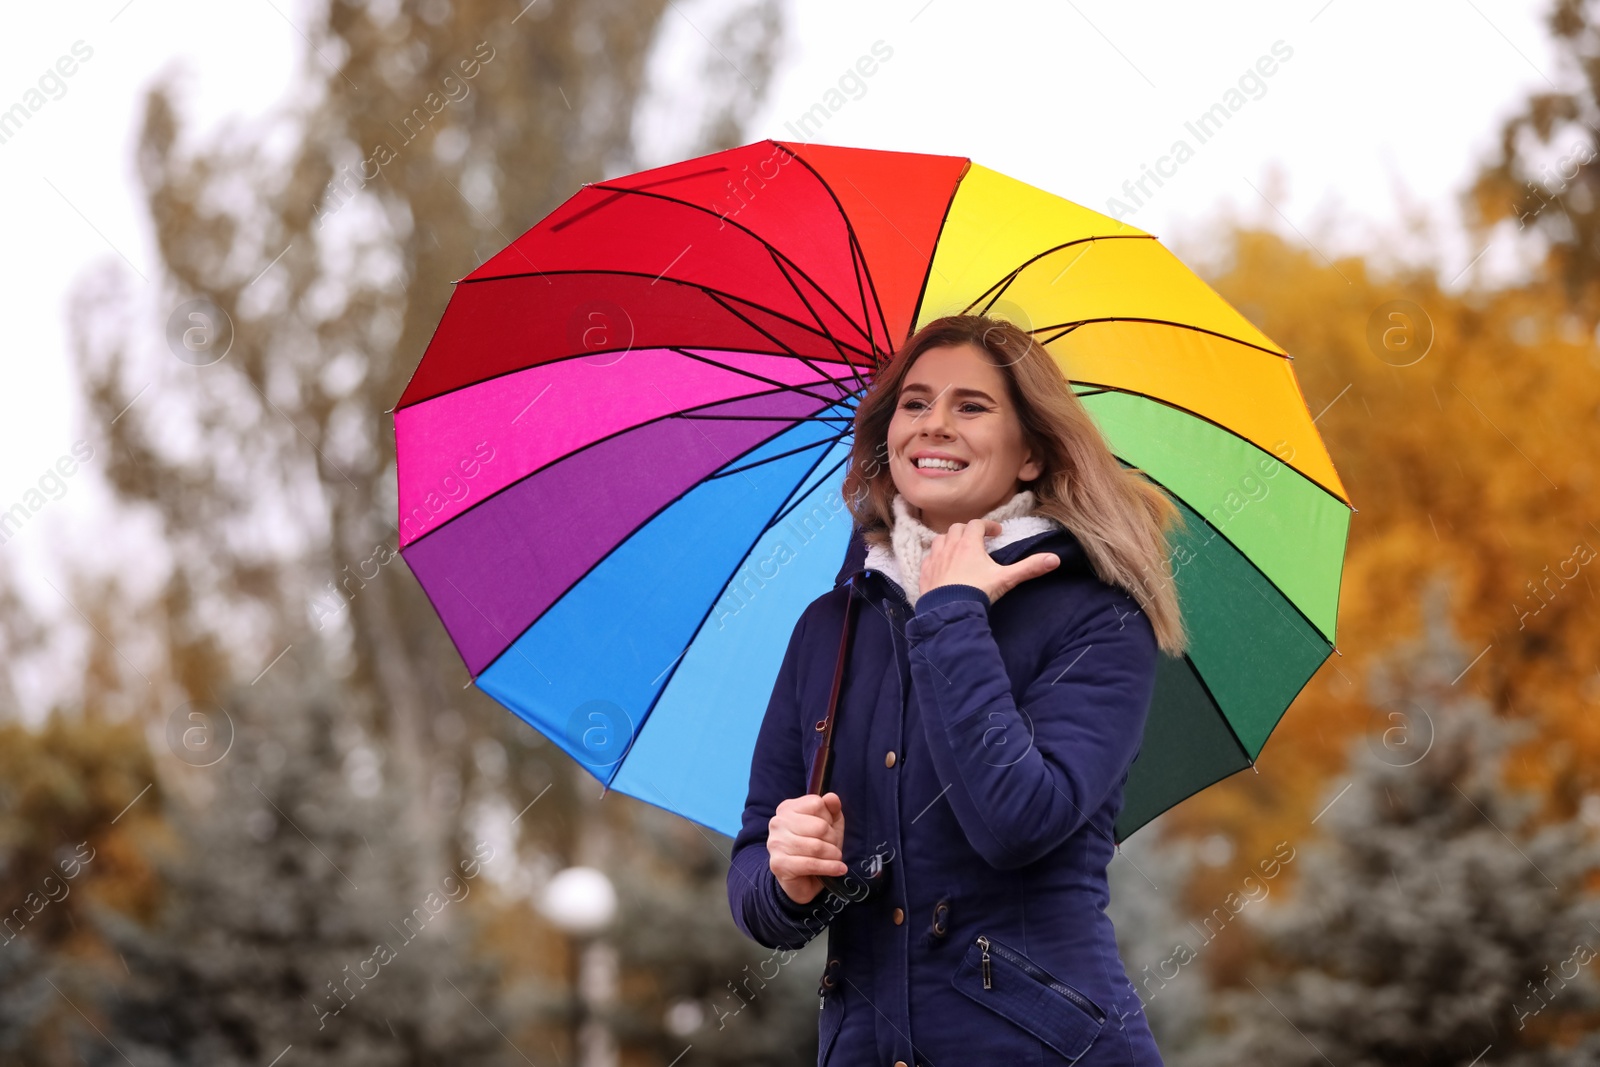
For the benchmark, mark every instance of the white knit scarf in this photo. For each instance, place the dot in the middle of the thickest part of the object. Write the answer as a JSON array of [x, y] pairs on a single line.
[[912, 539]]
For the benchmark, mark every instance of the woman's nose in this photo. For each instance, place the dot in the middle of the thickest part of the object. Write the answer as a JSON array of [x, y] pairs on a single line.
[[936, 420]]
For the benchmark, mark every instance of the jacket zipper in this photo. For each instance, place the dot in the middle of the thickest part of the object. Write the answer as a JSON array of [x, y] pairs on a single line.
[[894, 587], [1037, 975]]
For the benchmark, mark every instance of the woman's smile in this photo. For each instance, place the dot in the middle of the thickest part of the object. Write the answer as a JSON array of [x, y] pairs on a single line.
[[937, 464]]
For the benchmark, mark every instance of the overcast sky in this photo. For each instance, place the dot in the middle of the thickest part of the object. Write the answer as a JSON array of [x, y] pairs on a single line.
[[1369, 107]]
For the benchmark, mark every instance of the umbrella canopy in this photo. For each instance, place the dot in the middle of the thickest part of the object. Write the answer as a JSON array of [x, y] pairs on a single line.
[[620, 459]]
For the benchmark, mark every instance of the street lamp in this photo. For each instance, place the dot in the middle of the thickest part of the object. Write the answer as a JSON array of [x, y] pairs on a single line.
[[582, 903]]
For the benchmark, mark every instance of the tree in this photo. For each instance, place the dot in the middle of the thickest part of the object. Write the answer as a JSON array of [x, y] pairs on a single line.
[[79, 812], [305, 261], [289, 917], [1435, 923], [1541, 176]]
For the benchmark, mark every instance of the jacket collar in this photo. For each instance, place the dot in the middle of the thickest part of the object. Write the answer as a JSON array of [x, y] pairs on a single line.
[[861, 558]]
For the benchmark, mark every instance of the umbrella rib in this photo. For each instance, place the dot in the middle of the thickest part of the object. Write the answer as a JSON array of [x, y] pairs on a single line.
[[829, 441], [807, 360], [619, 193], [716, 298], [786, 512], [855, 248], [879, 300], [1068, 327], [841, 419], [727, 220], [787, 386], [842, 422], [819, 330], [927, 274], [994, 291], [858, 267], [1053, 339], [1005, 282], [825, 331], [802, 298]]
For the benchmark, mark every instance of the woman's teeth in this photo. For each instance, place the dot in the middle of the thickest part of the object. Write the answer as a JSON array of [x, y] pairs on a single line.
[[941, 464]]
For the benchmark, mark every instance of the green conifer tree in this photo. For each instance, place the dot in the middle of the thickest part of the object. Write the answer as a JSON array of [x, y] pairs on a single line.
[[1432, 923]]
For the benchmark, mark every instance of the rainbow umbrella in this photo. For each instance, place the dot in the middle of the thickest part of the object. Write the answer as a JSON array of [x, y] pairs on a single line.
[[620, 459]]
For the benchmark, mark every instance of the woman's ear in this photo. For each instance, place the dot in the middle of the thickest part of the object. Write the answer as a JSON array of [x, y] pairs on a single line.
[[1031, 470]]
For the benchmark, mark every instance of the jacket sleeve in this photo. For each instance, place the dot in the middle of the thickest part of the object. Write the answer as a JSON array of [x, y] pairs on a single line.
[[761, 909], [1023, 780]]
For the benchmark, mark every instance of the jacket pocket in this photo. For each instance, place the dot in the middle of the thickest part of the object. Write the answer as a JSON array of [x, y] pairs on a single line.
[[1019, 990], [828, 1023]]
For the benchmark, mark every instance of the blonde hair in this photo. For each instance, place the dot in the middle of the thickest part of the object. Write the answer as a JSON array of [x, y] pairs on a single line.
[[1119, 516]]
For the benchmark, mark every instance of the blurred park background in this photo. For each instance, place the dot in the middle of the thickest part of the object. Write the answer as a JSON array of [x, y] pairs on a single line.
[[236, 746]]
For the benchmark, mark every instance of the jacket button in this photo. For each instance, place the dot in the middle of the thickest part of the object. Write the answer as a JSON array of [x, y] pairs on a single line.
[[899, 916], [899, 1063], [888, 761]]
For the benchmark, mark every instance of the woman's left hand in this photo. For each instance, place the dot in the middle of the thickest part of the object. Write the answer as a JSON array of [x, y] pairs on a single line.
[[958, 557]]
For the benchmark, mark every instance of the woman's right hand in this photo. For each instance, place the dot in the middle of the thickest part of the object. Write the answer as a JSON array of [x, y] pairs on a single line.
[[805, 840]]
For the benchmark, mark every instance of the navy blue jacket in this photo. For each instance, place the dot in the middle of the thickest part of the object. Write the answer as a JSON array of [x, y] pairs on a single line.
[[983, 750]]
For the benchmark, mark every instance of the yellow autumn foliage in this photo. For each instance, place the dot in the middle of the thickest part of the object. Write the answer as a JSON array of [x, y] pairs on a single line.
[[1469, 440]]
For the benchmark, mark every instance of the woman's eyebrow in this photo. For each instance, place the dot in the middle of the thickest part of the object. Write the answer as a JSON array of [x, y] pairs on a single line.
[[918, 387]]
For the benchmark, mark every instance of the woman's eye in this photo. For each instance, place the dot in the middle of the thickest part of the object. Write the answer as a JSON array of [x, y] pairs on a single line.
[[912, 405]]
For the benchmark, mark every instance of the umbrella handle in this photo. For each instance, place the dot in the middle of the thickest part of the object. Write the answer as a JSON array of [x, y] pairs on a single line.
[[822, 761]]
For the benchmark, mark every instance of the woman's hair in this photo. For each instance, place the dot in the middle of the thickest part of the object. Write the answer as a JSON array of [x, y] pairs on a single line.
[[1119, 517]]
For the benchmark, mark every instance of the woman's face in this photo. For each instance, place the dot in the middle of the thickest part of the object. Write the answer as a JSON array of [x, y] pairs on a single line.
[[954, 404]]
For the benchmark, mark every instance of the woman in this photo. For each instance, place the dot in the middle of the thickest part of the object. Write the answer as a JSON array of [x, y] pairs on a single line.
[[1015, 594]]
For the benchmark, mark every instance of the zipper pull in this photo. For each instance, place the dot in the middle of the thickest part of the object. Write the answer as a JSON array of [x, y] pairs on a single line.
[[983, 943]]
